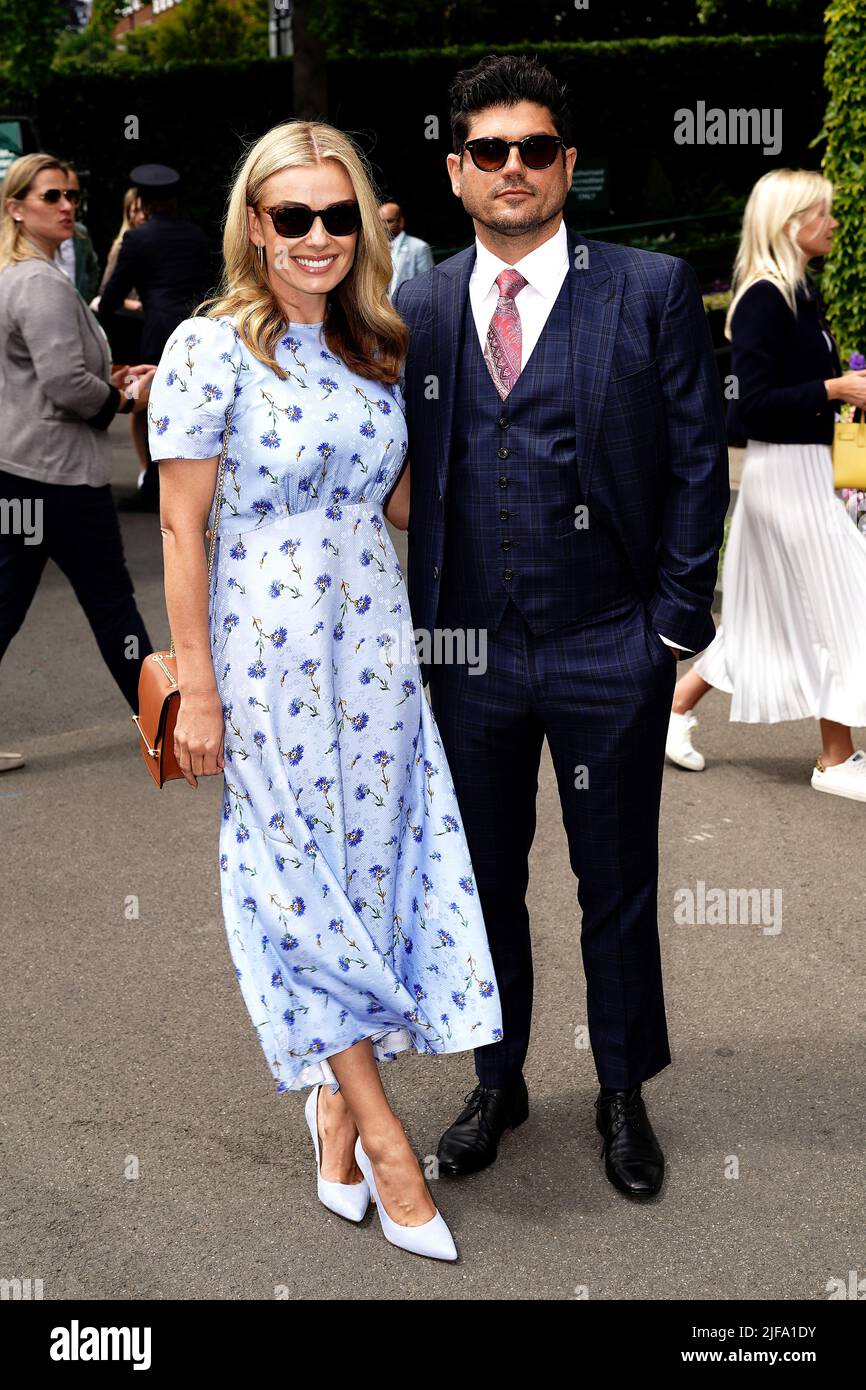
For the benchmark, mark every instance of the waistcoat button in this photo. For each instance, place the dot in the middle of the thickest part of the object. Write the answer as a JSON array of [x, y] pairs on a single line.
[[502, 453], [503, 481]]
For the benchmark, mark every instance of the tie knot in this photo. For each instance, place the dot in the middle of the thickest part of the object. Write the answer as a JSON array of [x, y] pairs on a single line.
[[510, 283]]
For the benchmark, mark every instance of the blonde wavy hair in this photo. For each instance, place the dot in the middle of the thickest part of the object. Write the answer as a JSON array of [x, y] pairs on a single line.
[[361, 327], [15, 245], [768, 248]]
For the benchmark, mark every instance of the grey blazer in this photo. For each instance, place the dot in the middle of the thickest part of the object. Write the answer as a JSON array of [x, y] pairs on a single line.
[[54, 376], [409, 257]]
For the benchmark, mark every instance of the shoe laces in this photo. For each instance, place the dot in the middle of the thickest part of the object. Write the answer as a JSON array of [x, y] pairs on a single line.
[[623, 1109], [474, 1095]]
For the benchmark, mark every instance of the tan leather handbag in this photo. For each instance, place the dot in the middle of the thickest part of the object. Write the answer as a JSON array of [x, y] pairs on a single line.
[[158, 695]]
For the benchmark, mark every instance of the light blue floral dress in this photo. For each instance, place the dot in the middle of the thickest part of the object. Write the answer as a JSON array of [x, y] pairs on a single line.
[[347, 885]]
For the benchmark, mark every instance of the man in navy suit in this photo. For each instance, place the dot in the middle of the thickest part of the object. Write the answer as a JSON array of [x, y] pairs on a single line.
[[569, 482]]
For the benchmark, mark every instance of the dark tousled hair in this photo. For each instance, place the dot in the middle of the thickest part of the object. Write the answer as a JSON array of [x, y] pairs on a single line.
[[505, 81]]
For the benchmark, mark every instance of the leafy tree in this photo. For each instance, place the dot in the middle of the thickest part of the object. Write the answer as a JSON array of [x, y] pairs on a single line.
[[199, 30], [94, 42], [28, 33]]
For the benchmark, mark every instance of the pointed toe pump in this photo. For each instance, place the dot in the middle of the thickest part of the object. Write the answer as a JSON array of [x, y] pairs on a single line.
[[432, 1239], [348, 1199]]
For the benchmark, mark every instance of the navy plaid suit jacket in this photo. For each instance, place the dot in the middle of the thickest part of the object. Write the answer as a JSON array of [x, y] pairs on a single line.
[[651, 449]]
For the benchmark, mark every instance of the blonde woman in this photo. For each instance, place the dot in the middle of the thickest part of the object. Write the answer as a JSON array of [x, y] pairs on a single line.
[[133, 216], [347, 887], [792, 640], [58, 398], [125, 328]]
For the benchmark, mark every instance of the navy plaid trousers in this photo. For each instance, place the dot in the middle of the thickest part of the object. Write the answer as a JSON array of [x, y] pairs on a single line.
[[601, 694]]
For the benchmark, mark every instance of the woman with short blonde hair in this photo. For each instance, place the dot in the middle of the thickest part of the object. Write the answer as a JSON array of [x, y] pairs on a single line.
[[792, 641], [58, 398], [347, 887]]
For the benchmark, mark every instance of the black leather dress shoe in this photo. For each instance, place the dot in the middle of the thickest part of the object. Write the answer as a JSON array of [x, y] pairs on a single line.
[[633, 1160], [472, 1141]]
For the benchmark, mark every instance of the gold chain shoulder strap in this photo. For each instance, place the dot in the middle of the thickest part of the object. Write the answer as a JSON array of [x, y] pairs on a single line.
[[219, 497]]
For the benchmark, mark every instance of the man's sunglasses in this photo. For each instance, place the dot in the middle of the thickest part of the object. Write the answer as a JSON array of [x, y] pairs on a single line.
[[53, 195], [489, 153], [295, 219]]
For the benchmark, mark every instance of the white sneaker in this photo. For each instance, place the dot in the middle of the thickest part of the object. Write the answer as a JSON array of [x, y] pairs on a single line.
[[10, 760], [432, 1239], [679, 742], [843, 779]]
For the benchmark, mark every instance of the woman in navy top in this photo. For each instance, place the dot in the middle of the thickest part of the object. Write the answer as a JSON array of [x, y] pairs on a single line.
[[792, 640]]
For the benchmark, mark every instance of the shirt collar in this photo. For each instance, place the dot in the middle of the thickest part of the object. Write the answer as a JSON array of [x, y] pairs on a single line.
[[541, 268]]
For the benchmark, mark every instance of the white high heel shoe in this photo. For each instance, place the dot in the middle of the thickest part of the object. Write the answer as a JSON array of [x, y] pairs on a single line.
[[433, 1239], [349, 1199]]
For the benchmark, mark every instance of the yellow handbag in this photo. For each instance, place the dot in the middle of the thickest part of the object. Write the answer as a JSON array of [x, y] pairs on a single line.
[[849, 454]]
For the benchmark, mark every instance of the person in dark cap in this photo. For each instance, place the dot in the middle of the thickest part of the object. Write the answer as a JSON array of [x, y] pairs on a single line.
[[168, 262]]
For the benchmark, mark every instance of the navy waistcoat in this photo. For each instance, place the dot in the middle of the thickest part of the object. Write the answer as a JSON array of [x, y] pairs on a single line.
[[517, 527]]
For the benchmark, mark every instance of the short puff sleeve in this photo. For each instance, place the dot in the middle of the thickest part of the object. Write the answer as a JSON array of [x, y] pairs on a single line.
[[195, 383]]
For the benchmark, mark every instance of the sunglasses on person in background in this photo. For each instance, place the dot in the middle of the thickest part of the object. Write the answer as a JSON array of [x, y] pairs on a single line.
[[295, 219], [489, 153], [53, 195]]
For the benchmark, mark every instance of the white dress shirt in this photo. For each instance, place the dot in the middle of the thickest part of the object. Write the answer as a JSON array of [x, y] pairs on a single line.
[[544, 271], [64, 257]]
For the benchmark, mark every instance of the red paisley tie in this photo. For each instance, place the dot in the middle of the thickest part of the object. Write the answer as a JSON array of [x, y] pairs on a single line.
[[504, 339]]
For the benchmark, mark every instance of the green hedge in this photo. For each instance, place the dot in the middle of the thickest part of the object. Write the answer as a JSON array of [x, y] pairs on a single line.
[[844, 279], [624, 95]]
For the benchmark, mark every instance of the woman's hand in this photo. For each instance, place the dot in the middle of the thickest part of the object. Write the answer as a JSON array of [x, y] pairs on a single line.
[[141, 388], [199, 736], [850, 387], [134, 383], [137, 377]]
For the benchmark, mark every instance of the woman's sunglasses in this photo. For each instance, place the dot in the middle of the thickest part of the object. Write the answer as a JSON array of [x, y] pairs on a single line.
[[489, 153], [53, 195], [295, 219]]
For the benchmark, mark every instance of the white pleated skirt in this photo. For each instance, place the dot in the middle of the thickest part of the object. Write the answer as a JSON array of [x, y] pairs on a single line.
[[792, 638]]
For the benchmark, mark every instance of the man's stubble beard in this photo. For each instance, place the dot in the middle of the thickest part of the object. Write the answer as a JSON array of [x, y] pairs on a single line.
[[521, 228]]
